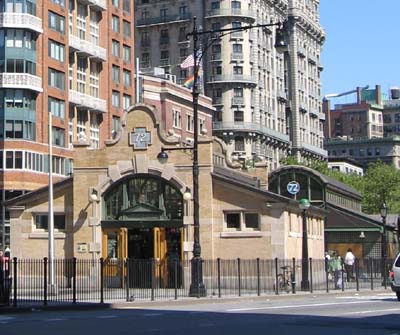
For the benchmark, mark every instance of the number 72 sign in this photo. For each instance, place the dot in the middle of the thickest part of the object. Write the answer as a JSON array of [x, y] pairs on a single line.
[[293, 187]]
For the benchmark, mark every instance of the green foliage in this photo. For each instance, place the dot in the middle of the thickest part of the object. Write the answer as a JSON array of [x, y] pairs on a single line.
[[381, 183]]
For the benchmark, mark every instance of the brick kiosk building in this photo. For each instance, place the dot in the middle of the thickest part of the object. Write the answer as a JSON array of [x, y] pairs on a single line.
[[238, 216]]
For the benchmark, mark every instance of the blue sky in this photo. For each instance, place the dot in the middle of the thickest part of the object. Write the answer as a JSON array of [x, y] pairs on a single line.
[[362, 44]]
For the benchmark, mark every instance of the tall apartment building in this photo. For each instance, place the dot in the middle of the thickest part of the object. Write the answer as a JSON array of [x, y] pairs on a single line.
[[268, 104], [70, 58]]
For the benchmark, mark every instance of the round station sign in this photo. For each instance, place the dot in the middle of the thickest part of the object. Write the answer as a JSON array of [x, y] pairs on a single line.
[[293, 187]]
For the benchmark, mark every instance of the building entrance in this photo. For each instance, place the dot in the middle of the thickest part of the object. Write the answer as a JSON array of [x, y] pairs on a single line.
[[143, 256]]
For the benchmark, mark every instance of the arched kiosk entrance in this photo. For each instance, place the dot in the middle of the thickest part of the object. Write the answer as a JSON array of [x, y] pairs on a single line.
[[142, 220]]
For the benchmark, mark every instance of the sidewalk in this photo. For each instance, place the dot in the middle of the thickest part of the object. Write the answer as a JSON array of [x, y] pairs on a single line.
[[60, 306]]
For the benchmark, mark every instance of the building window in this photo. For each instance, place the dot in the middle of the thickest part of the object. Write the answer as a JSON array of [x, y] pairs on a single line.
[[94, 27], [56, 22], [82, 64], [242, 221], [56, 51], [189, 122], [127, 78], [126, 101], [41, 221], [115, 74], [127, 28], [215, 5], [176, 119], [115, 3], [115, 126], [14, 160], [183, 10], [81, 21], [58, 2], [163, 12], [115, 99], [94, 79], [126, 6], [239, 116], [58, 136], [238, 70], [56, 79], [239, 143], [56, 107], [232, 221], [236, 4], [115, 48], [115, 23], [126, 54]]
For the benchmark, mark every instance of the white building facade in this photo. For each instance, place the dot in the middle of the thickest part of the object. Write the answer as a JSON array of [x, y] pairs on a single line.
[[268, 104]]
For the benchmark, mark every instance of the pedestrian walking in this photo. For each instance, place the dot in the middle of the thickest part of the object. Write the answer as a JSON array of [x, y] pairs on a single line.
[[335, 267], [349, 261]]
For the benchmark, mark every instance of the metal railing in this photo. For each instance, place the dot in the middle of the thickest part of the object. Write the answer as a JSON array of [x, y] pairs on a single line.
[[26, 281]]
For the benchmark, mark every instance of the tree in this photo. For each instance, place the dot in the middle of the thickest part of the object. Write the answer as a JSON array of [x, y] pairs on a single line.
[[381, 183]]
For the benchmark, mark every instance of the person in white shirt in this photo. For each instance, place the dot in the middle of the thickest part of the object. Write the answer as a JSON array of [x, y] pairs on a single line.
[[349, 261]]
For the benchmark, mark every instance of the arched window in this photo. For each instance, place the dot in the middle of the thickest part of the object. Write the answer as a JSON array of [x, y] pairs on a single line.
[[143, 198]]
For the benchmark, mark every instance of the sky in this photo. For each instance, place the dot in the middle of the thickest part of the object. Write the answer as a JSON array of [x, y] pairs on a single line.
[[362, 45]]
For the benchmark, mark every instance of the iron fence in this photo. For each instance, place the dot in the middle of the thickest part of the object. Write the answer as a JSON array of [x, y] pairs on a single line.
[[27, 281]]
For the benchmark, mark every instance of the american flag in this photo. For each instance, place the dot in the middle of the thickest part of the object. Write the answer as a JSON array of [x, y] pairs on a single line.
[[188, 62]]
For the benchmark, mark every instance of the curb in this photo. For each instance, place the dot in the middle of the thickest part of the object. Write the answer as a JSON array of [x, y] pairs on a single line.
[[86, 306]]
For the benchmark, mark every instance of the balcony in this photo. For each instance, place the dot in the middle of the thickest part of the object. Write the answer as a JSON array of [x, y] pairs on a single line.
[[87, 101], [236, 56], [281, 95], [21, 20], [163, 19], [301, 51], [237, 78], [253, 127], [216, 56], [237, 101], [236, 12], [21, 80], [87, 47], [314, 150], [312, 59], [98, 4], [164, 62]]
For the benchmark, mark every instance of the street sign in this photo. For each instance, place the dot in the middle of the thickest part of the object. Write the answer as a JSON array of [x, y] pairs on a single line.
[[293, 187]]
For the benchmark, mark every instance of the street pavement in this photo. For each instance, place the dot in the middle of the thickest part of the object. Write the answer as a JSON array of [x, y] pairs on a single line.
[[349, 313]]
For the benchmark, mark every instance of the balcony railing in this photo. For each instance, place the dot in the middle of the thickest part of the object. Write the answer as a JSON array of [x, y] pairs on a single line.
[[216, 56], [314, 149], [87, 47], [237, 56], [88, 101], [21, 20], [237, 101], [217, 100], [164, 19], [101, 4], [231, 12], [232, 77], [21, 80], [164, 62], [249, 126]]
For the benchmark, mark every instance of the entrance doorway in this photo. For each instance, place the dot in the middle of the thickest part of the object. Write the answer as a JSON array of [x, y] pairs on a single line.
[[153, 256]]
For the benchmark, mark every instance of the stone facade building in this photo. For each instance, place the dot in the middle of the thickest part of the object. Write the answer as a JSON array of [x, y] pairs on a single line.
[[123, 203], [267, 104]]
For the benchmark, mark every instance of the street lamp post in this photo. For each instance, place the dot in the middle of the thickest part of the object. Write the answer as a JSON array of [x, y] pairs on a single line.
[[304, 204], [197, 287], [383, 211]]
